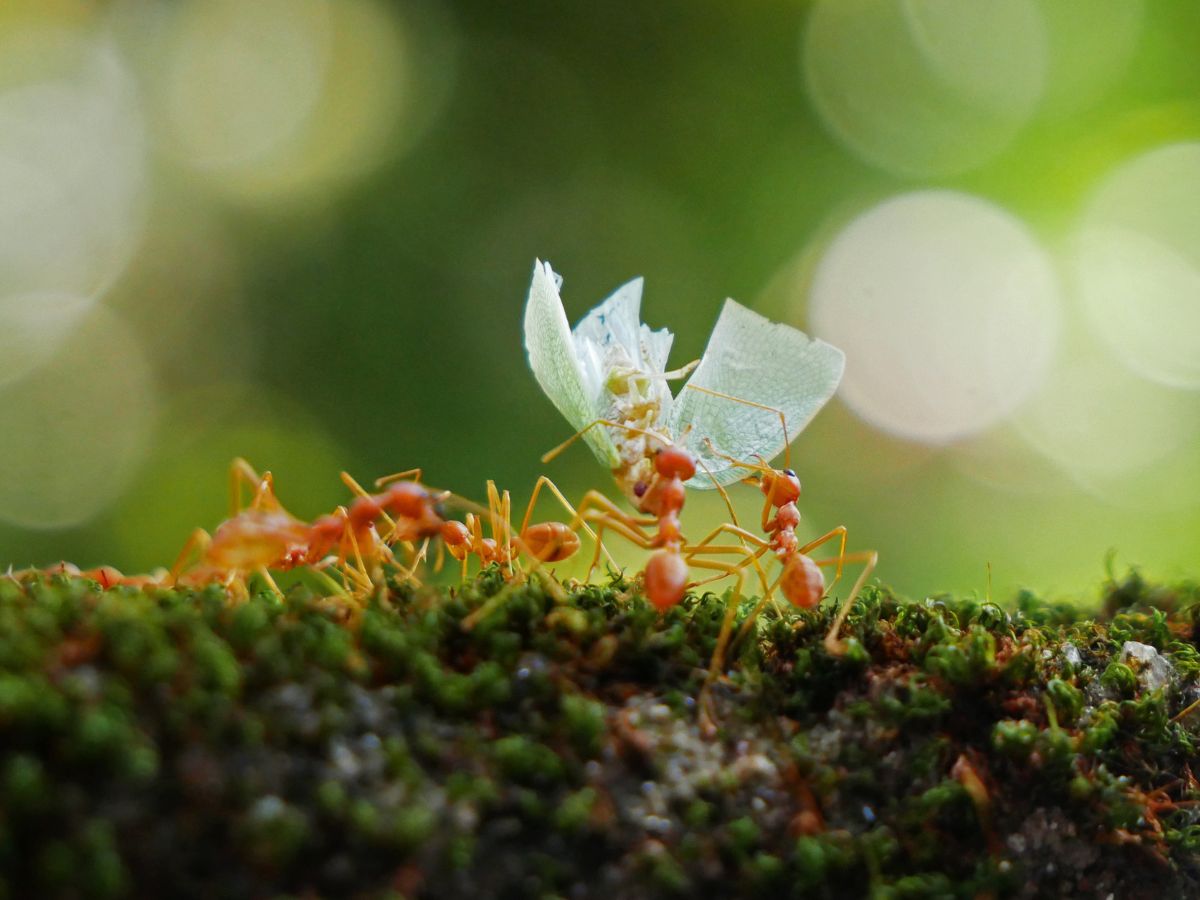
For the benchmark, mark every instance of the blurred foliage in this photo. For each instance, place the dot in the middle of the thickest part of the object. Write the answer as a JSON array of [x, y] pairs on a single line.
[[378, 325]]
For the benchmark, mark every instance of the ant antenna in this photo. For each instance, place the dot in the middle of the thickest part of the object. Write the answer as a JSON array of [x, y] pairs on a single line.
[[759, 469], [546, 457], [787, 441]]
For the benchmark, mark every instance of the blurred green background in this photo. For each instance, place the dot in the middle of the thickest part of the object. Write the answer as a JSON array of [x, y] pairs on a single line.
[[301, 231]]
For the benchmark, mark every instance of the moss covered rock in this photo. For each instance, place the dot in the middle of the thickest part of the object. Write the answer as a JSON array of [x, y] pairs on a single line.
[[174, 744]]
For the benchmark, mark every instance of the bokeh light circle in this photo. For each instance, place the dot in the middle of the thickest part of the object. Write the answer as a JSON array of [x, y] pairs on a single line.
[[243, 77], [1136, 263], [72, 165], [947, 309], [276, 100], [185, 289], [1102, 424], [33, 326], [925, 87], [77, 427]]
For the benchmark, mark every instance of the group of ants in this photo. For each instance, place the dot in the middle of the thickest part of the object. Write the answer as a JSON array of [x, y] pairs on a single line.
[[392, 528]]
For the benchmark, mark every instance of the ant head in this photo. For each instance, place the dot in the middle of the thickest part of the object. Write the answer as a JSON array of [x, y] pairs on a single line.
[[780, 486], [406, 499], [674, 462], [328, 528], [455, 533], [365, 510]]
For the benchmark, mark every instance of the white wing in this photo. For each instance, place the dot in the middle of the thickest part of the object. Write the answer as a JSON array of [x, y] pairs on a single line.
[[752, 358], [610, 326], [555, 364], [612, 335]]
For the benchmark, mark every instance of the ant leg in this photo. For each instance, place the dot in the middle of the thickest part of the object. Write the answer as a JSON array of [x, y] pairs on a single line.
[[199, 540], [629, 429], [543, 481], [360, 491], [787, 444], [500, 516], [262, 487], [767, 597], [707, 714], [824, 539], [265, 575], [317, 574], [506, 520], [833, 645], [726, 528], [625, 525], [410, 574], [594, 500], [414, 474], [357, 573], [726, 569], [751, 557]]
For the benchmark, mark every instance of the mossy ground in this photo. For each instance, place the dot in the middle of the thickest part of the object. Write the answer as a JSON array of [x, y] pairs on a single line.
[[175, 744]]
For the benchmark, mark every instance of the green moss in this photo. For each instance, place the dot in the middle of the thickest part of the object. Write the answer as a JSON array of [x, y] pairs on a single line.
[[575, 810], [1120, 679], [950, 752]]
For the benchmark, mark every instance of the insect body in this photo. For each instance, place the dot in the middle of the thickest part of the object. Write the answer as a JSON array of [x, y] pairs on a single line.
[[609, 378], [543, 542], [801, 579], [265, 536]]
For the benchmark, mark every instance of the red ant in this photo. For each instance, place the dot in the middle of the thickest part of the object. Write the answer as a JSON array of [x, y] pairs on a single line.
[[411, 512], [544, 542], [801, 580], [106, 576], [266, 536], [661, 498], [254, 538]]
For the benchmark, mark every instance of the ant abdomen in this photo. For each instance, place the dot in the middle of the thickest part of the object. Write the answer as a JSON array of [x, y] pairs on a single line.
[[550, 541], [803, 583], [666, 579]]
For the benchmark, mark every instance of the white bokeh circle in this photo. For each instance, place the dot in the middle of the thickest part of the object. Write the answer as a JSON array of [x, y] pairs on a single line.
[[947, 309], [925, 88], [1136, 264], [77, 427], [72, 172]]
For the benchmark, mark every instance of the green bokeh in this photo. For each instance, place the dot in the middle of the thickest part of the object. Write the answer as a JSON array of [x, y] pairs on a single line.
[[673, 140]]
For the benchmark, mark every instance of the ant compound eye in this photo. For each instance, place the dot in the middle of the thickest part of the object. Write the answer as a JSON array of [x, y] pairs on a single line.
[[639, 489], [789, 473]]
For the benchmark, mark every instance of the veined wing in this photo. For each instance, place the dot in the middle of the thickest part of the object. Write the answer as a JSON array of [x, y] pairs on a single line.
[[612, 337], [556, 365], [754, 359], [610, 327]]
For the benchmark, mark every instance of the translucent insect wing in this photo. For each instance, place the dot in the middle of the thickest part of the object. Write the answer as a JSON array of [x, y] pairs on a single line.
[[765, 362], [614, 330], [556, 364], [615, 320]]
